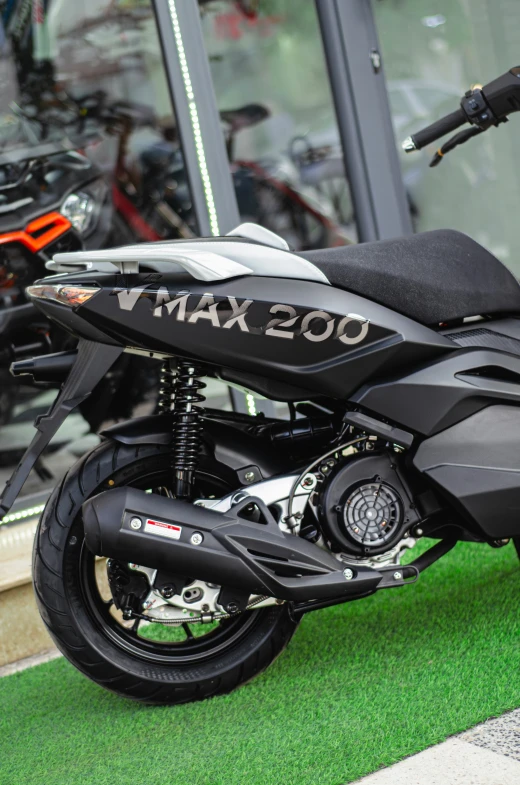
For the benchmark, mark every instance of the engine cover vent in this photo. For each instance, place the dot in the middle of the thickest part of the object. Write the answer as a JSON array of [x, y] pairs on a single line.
[[372, 513], [366, 506]]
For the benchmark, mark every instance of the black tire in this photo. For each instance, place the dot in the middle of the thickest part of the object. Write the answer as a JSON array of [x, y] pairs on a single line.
[[81, 626], [516, 543]]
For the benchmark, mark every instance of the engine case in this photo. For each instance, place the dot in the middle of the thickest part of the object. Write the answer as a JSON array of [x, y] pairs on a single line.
[[366, 507]]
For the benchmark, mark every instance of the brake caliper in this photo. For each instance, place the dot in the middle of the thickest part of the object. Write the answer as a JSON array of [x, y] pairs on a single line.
[[129, 589]]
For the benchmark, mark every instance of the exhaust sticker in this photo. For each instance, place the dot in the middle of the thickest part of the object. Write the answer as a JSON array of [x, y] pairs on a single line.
[[163, 529]]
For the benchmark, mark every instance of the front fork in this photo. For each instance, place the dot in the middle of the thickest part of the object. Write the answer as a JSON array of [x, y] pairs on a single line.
[[93, 361]]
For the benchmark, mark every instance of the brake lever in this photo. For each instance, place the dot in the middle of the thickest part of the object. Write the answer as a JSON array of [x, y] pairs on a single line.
[[482, 107], [455, 141]]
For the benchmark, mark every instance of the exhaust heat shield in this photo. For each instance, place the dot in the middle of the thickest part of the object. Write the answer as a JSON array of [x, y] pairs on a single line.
[[223, 548]]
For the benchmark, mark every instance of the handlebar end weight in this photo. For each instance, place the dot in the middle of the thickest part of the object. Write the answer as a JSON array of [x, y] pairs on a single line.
[[408, 145]]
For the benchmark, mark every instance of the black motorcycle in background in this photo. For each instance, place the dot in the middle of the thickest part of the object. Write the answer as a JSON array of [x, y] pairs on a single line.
[[50, 204], [56, 195], [268, 192], [50, 201], [54, 199]]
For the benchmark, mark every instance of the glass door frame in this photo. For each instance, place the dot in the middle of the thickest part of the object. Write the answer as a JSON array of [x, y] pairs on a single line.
[[362, 108], [193, 98], [360, 95]]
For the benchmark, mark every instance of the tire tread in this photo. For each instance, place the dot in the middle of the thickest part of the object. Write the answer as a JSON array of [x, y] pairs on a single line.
[[86, 477]]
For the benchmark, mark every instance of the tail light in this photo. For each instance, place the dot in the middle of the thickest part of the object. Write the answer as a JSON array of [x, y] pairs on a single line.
[[63, 293]]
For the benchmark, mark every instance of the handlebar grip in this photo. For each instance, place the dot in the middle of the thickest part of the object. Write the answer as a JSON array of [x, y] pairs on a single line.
[[440, 128]]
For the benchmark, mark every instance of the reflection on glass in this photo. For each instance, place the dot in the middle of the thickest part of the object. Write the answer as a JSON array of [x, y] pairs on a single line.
[[277, 115], [89, 158], [432, 55]]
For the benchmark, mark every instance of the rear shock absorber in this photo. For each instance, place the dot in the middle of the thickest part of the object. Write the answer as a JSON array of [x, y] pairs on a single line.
[[166, 388], [187, 426]]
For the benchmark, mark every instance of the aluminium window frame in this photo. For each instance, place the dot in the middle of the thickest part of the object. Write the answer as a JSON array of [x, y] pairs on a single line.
[[357, 79], [356, 75], [195, 105]]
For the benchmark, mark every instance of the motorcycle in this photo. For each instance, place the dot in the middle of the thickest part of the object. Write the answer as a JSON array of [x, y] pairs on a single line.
[[55, 199], [268, 192], [274, 194], [54, 196], [51, 202], [175, 560]]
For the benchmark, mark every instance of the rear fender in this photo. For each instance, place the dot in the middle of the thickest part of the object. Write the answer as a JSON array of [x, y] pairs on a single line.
[[229, 444], [92, 362]]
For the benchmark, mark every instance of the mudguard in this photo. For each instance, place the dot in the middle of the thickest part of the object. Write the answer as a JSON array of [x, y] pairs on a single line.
[[240, 449], [92, 363]]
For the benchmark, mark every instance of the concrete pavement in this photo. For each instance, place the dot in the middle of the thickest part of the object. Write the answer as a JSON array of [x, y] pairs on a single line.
[[488, 754]]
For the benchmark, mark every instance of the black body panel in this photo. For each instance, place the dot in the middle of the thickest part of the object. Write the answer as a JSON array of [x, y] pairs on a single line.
[[488, 338], [503, 334], [262, 385], [432, 277], [348, 341], [476, 465], [71, 321], [507, 326], [441, 394]]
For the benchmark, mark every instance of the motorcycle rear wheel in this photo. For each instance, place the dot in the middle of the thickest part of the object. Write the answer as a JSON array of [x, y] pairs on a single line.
[[91, 634]]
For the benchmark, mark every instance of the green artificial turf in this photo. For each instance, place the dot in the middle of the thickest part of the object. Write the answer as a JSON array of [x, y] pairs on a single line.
[[361, 686]]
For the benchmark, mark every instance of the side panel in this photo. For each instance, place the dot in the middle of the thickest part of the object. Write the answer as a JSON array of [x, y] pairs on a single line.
[[320, 340], [445, 392], [476, 464]]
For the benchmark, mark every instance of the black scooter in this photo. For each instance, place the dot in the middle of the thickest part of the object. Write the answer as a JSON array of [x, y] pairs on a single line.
[[401, 360]]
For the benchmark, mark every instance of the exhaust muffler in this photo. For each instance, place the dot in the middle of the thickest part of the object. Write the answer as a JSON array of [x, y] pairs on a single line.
[[223, 548]]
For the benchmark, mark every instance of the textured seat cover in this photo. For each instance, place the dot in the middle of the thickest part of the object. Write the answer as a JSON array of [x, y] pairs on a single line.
[[431, 277]]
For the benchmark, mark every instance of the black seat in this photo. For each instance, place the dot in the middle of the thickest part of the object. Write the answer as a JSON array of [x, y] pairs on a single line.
[[432, 277]]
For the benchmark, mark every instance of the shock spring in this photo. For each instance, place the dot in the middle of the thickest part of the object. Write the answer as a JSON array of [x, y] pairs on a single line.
[[166, 395], [187, 426]]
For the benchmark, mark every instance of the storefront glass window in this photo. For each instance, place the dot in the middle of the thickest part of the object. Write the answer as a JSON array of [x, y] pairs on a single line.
[[273, 93], [89, 158], [433, 53]]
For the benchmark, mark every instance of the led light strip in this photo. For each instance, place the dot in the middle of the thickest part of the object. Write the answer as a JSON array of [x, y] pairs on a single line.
[[251, 405], [30, 512], [208, 191]]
